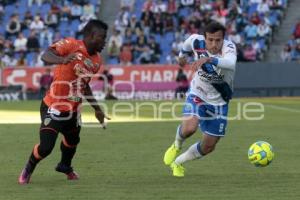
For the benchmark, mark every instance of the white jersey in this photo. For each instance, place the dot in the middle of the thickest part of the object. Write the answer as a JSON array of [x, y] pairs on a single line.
[[224, 65]]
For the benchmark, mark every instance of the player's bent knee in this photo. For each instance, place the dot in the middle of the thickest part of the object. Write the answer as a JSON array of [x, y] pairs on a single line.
[[75, 141], [45, 150], [189, 126], [72, 142], [187, 131], [47, 142]]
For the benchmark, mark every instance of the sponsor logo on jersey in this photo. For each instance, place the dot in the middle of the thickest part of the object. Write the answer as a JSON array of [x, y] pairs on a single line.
[[211, 78]]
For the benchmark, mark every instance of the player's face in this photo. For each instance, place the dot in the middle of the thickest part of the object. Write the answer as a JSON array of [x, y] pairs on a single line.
[[214, 42], [98, 40]]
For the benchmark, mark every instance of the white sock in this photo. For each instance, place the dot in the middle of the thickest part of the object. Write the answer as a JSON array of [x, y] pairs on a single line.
[[179, 139], [191, 154]]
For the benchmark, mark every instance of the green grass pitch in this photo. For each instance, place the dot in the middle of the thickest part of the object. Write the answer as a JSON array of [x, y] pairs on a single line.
[[125, 161]]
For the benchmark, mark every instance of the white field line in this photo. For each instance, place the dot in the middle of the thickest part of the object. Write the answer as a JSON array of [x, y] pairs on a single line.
[[282, 108], [33, 117]]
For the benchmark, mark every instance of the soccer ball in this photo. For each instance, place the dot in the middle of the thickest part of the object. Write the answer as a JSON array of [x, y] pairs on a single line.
[[260, 154]]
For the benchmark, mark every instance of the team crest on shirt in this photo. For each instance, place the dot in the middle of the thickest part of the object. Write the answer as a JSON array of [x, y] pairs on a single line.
[[188, 107], [88, 63], [47, 121]]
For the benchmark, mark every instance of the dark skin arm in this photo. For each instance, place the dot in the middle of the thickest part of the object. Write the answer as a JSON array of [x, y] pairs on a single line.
[[99, 114], [50, 56]]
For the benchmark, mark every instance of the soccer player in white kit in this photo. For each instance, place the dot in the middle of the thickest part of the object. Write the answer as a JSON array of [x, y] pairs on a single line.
[[207, 100]]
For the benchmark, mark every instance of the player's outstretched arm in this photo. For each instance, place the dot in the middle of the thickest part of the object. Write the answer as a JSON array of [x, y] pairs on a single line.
[[99, 114], [50, 56]]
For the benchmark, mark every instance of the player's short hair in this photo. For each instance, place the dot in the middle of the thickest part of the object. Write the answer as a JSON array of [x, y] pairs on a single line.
[[213, 27], [94, 24]]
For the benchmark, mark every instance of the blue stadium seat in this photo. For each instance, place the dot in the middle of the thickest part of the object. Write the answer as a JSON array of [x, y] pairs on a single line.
[[21, 11], [248, 41], [158, 38], [34, 9], [30, 58], [2, 30], [45, 8], [273, 19], [64, 33], [169, 37], [13, 38], [284, 2], [252, 9], [262, 43], [112, 61], [23, 3], [163, 59], [17, 56], [74, 25], [94, 2], [9, 9], [185, 11], [6, 18], [165, 47], [62, 26], [138, 8], [26, 32], [139, 5], [244, 3]]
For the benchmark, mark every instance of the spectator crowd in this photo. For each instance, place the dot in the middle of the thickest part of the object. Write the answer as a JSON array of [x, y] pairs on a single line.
[[144, 31], [152, 31], [291, 50], [27, 27]]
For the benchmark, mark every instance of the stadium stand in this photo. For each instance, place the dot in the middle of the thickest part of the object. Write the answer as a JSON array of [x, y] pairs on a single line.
[[149, 31], [291, 51], [27, 27], [250, 24]]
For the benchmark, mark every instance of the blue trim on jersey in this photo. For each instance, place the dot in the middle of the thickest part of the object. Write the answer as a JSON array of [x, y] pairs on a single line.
[[214, 61], [216, 135], [199, 44], [207, 67], [199, 148]]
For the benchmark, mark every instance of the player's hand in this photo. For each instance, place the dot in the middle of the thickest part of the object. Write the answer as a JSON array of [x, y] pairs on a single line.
[[69, 58], [182, 61], [100, 117], [198, 63]]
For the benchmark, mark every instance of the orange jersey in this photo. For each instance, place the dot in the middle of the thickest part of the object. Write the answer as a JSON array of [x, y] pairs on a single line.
[[67, 88]]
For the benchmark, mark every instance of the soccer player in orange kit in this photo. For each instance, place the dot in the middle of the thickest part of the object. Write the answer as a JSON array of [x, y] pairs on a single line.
[[76, 62]]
